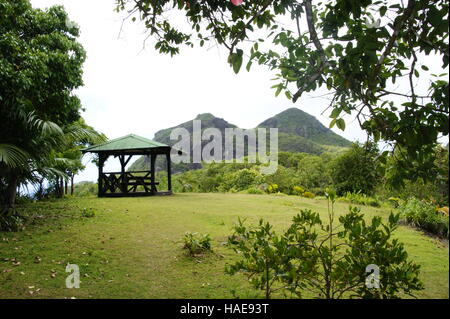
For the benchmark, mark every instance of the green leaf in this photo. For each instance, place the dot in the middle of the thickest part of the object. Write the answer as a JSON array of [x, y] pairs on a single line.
[[288, 95], [249, 65], [237, 61], [332, 123], [340, 123], [12, 156], [329, 83], [335, 113], [278, 91]]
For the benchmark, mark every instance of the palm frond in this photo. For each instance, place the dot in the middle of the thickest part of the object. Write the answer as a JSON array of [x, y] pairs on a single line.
[[45, 128], [84, 134], [53, 172], [13, 156], [64, 161]]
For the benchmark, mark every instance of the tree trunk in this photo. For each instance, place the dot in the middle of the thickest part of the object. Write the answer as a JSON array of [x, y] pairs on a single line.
[[71, 184], [66, 187], [61, 188], [40, 193], [57, 187], [10, 194]]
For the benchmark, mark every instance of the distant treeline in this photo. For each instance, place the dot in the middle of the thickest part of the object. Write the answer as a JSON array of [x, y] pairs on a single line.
[[359, 170]]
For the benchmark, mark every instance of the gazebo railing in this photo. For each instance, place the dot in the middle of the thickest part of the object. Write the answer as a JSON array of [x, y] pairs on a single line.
[[128, 182]]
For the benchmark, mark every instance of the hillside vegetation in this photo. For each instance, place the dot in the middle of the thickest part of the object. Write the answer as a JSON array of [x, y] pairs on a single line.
[[295, 122]]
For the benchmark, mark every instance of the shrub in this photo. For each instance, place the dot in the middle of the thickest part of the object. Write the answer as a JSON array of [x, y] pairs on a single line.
[[196, 243], [254, 190], [424, 216], [298, 190], [394, 201], [329, 260], [443, 210], [186, 188], [318, 191], [88, 212], [272, 188], [24, 199], [82, 189], [308, 195], [361, 199], [260, 262], [358, 169], [241, 179], [284, 178], [315, 171], [12, 221]]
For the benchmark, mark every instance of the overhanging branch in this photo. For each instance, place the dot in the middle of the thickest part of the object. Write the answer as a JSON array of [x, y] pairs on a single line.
[[315, 40]]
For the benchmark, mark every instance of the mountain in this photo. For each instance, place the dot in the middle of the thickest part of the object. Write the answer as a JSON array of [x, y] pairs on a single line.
[[295, 122], [208, 120], [163, 136], [298, 131]]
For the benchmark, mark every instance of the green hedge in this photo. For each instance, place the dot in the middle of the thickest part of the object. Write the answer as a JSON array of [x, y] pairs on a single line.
[[424, 216]]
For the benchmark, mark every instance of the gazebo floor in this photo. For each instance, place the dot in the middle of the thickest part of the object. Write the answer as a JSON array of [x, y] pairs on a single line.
[[137, 194]]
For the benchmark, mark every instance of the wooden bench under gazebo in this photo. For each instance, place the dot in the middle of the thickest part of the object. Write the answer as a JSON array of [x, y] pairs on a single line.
[[137, 183]]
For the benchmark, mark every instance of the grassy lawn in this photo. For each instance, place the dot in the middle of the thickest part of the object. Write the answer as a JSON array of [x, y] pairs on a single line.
[[131, 248]]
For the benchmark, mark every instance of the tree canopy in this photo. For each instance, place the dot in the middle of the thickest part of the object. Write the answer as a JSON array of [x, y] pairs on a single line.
[[368, 54], [40, 66]]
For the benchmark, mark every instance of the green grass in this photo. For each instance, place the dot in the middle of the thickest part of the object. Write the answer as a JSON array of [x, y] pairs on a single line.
[[132, 247]]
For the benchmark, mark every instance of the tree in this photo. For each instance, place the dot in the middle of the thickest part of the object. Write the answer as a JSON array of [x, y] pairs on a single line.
[[66, 156], [359, 50], [437, 189], [40, 66], [324, 259], [357, 170]]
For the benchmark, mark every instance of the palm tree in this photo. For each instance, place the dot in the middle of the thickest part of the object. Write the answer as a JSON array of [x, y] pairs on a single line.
[[35, 154]]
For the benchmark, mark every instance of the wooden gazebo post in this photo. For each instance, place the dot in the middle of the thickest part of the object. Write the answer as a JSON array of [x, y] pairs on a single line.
[[152, 172], [169, 173], [101, 161]]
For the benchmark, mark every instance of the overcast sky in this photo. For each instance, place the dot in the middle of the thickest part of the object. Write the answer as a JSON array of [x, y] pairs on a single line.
[[128, 89]]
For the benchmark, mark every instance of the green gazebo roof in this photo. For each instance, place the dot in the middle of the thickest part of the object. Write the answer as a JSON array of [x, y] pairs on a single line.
[[126, 143]]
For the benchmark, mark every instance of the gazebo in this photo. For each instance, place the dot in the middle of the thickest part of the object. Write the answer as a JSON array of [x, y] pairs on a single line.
[[123, 183]]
